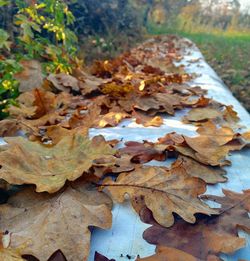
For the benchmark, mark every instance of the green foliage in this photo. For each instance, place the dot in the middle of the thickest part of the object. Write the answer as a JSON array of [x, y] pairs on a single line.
[[44, 34], [4, 43], [4, 2], [8, 84], [48, 23]]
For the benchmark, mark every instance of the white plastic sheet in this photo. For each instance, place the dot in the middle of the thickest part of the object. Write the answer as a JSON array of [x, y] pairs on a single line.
[[124, 240]]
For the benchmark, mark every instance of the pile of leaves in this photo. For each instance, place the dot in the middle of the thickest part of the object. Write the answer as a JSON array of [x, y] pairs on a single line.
[[58, 182]]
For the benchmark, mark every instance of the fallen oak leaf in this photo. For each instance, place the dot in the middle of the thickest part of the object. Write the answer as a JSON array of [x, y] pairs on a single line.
[[88, 83], [216, 112], [44, 223], [7, 254], [142, 152], [57, 256], [64, 82], [202, 114], [163, 191], [8, 127], [31, 76], [193, 168], [158, 102], [146, 120], [25, 106], [163, 253], [246, 136], [213, 235], [114, 165], [100, 257], [230, 116], [26, 162], [111, 119], [220, 135], [207, 150], [55, 133], [199, 102]]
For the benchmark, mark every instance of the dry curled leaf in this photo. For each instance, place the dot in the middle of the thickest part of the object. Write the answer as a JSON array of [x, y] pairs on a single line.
[[163, 253], [7, 254], [31, 76], [113, 165], [220, 135], [55, 133], [221, 114], [26, 106], [43, 223], [207, 150], [110, 119], [212, 235], [202, 114], [100, 257], [209, 174], [57, 256], [8, 127], [142, 152], [163, 191], [64, 82], [146, 120], [26, 162]]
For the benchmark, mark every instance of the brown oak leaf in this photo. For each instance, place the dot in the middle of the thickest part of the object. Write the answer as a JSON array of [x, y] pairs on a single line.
[[8, 127], [163, 253], [142, 152], [26, 162], [41, 223], [163, 191], [209, 174], [100, 257], [146, 120], [64, 82], [31, 76], [212, 235]]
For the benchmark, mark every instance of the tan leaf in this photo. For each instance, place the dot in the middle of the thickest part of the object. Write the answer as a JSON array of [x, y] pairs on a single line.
[[212, 235], [163, 191], [220, 135], [8, 127], [110, 119], [142, 152], [31, 77], [201, 114], [89, 83], [64, 82], [113, 165], [209, 174], [230, 115], [146, 120], [26, 162], [44, 223], [207, 150], [164, 253], [56, 133], [246, 136], [9, 254], [25, 107]]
